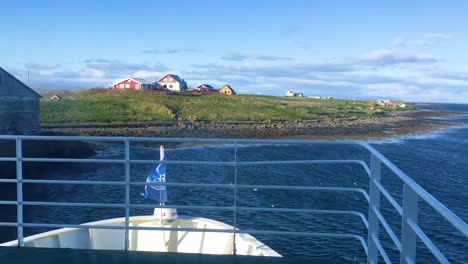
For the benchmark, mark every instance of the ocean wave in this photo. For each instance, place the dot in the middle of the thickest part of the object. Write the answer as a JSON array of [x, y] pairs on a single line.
[[401, 139], [240, 145]]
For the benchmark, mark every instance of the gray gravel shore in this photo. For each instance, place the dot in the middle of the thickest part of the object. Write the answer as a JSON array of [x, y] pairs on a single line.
[[345, 127]]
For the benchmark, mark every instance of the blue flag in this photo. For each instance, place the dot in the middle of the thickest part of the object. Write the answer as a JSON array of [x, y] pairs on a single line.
[[158, 174]]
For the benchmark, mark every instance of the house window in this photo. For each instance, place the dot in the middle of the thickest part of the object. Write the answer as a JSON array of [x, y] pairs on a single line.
[[137, 86], [170, 86], [121, 85], [0, 79], [127, 85]]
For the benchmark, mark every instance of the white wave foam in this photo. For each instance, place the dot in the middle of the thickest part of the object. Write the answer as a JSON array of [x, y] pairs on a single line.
[[421, 136]]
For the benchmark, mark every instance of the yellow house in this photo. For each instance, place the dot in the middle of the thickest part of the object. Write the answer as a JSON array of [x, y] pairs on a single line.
[[226, 89]]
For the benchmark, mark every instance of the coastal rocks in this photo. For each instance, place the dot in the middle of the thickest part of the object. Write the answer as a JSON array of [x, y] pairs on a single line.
[[239, 129]]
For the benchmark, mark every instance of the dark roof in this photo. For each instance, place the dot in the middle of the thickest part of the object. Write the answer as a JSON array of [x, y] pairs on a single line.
[[20, 82], [227, 86], [209, 87], [176, 77]]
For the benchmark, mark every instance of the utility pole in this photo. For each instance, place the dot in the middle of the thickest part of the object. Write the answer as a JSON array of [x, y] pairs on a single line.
[[27, 67]]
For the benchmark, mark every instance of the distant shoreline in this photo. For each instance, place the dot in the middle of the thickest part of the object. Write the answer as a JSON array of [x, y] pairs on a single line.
[[396, 124]]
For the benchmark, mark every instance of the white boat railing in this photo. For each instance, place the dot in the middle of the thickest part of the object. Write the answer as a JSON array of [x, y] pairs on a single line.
[[412, 193]]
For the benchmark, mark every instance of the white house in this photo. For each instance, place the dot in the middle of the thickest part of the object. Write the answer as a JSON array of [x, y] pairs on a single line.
[[55, 98], [289, 93], [173, 83], [380, 102]]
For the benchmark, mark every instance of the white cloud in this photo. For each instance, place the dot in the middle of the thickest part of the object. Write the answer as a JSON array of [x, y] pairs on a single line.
[[149, 75], [310, 81], [92, 73], [387, 57], [171, 51], [437, 36], [394, 90], [423, 40], [245, 57], [415, 93], [376, 74]]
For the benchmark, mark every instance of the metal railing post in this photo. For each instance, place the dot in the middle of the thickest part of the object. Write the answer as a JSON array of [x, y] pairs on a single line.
[[408, 236], [127, 191], [19, 190], [234, 248], [374, 202]]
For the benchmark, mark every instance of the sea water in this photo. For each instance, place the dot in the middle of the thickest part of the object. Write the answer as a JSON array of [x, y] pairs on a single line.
[[437, 161]]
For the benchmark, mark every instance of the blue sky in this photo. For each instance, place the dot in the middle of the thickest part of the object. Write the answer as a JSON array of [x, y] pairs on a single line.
[[408, 50]]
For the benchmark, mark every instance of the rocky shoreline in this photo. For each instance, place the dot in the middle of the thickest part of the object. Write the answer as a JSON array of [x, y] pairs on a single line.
[[396, 122]]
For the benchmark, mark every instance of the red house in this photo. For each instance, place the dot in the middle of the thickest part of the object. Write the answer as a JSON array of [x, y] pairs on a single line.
[[133, 84], [205, 88]]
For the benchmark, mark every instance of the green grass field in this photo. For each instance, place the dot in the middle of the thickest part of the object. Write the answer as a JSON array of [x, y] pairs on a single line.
[[125, 107]]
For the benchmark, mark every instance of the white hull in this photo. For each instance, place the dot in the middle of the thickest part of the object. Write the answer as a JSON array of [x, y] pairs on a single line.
[[152, 240]]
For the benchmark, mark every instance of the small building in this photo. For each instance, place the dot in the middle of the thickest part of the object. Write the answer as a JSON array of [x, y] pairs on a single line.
[[19, 106], [386, 103], [380, 103], [314, 97], [55, 98], [205, 88], [290, 93], [173, 82], [226, 89], [133, 84]]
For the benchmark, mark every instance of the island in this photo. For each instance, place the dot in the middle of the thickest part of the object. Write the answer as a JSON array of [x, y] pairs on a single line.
[[191, 114]]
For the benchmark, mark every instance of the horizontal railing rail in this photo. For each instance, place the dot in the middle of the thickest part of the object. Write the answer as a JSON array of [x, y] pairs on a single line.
[[224, 163], [373, 247]]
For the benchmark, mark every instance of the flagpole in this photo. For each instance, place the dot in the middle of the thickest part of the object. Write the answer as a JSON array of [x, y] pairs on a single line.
[[161, 157], [160, 213]]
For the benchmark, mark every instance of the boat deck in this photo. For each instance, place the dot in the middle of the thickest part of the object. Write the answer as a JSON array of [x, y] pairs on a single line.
[[56, 255]]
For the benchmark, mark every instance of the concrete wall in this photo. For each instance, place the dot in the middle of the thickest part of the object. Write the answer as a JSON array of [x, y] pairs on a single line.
[[19, 107]]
